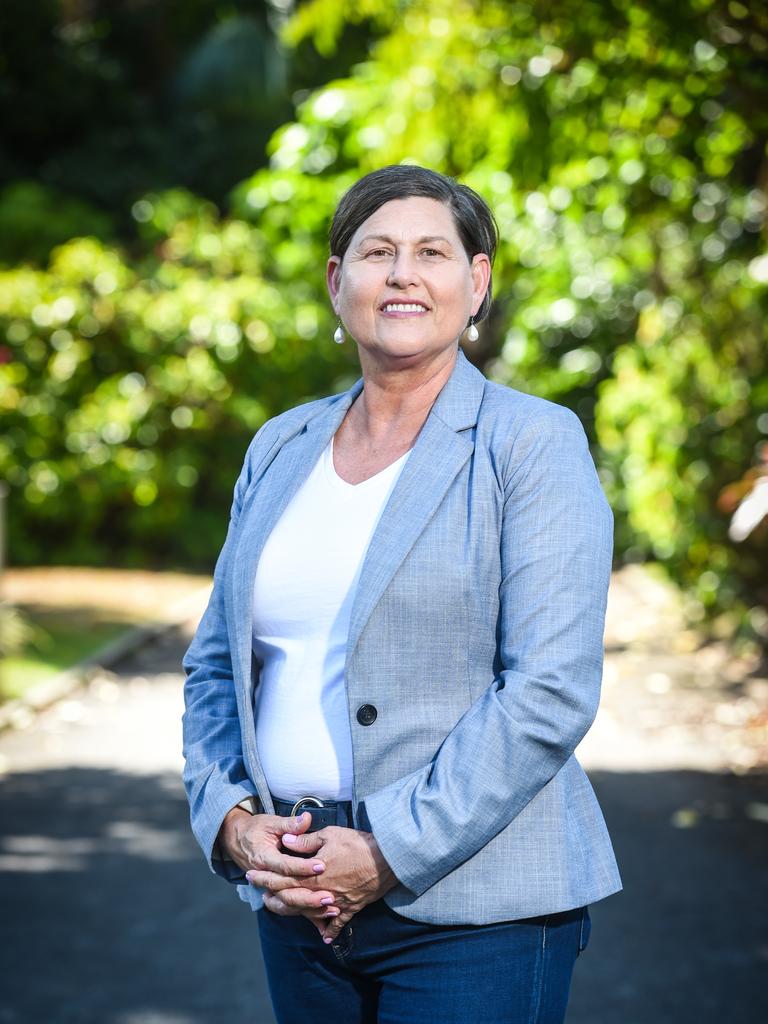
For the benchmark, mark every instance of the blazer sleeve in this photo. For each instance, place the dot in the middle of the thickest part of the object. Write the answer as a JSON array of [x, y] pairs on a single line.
[[215, 776], [556, 554]]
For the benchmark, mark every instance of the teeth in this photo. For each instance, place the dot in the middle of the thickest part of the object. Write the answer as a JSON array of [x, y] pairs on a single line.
[[404, 307]]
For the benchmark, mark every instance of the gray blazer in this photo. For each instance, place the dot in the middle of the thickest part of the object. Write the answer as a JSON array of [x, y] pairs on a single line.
[[476, 633]]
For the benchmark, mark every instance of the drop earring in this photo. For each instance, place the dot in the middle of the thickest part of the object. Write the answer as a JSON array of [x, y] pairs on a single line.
[[338, 334], [472, 332]]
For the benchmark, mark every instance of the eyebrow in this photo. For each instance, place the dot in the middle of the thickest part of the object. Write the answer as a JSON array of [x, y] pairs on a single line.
[[419, 241]]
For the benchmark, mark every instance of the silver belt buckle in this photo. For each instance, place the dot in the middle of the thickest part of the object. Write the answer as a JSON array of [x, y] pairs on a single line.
[[311, 800]]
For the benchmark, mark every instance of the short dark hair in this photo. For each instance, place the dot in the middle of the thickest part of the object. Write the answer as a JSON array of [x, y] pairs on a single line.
[[472, 216]]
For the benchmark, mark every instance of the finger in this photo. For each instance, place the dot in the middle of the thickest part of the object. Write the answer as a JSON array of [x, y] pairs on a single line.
[[276, 903], [270, 859], [309, 900], [317, 919], [276, 906], [275, 882], [310, 842], [331, 932], [333, 929], [292, 824]]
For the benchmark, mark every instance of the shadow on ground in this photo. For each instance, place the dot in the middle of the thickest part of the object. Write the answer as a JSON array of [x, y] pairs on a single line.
[[111, 917], [686, 942]]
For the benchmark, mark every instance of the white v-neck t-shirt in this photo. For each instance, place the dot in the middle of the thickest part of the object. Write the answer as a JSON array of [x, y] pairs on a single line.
[[302, 599]]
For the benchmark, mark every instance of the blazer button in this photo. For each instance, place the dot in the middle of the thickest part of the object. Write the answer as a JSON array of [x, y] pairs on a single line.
[[366, 714]]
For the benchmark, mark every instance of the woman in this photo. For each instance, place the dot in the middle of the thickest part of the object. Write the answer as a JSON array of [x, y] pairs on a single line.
[[402, 649]]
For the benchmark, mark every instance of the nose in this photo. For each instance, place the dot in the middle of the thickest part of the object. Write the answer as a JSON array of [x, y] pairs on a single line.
[[402, 271]]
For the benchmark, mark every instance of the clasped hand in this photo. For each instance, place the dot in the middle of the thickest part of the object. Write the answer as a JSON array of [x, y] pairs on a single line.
[[340, 870]]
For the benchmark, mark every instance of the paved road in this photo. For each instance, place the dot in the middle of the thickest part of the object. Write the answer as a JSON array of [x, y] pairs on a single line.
[[109, 915]]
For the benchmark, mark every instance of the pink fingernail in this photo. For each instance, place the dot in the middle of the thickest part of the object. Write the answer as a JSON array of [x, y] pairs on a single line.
[[327, 939], [327, 901], [290, 839], [317, 868], [331, 913]]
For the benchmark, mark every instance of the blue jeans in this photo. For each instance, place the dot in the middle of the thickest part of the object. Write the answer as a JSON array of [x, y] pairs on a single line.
[[387, 969]]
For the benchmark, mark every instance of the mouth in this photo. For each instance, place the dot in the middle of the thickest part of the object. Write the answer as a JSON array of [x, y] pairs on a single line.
[[400, 309]]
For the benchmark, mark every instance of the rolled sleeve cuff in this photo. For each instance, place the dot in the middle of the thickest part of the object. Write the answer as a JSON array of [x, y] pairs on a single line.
[[219, 863]]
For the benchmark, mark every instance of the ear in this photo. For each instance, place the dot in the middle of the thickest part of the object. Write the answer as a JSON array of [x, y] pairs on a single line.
[[333, 280], [481, 276]]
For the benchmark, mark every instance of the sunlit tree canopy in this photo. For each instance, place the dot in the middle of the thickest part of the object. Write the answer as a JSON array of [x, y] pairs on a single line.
[[622, 147]]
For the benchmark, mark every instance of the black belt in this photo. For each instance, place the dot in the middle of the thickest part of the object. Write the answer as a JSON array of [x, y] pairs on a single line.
[[324, 812]]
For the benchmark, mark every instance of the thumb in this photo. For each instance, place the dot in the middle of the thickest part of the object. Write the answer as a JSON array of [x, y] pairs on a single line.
[[310, 843], [298, 824]]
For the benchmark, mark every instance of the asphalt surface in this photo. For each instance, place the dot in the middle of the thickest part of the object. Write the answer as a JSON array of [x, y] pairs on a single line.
[[108, 914]]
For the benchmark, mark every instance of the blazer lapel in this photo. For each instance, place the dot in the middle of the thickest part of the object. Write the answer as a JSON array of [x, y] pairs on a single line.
[[438, 455]]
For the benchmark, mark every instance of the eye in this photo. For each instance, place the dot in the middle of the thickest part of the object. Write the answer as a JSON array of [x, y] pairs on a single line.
[[377, 252], [431, 252]]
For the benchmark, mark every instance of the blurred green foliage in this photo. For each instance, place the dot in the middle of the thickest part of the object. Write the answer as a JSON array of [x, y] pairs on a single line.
[[34, 219], [130, 387], [622, 146]]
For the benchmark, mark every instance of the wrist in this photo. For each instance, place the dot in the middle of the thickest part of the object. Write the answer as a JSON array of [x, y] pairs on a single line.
[[233, 821], [388, 879]]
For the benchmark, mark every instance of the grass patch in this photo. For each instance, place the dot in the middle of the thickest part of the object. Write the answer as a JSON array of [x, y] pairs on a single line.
[[67, 613], [60, 638]]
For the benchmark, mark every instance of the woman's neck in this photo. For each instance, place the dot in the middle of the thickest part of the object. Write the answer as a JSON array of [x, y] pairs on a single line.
[[396, 402]]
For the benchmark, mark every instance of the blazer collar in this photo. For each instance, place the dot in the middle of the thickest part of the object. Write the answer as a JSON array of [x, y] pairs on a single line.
[[458, 403]]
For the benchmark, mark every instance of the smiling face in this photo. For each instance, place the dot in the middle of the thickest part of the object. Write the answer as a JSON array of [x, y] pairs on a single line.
[[405, 288]]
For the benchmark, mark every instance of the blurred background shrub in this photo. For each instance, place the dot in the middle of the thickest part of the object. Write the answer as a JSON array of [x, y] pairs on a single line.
[[162, 291]]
